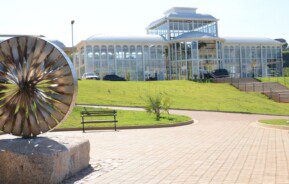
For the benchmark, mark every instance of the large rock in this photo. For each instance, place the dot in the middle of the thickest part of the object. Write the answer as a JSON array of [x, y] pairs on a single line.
[[41, 160]]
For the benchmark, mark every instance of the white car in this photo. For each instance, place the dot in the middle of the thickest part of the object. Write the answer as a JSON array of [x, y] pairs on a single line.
[[90, 76]]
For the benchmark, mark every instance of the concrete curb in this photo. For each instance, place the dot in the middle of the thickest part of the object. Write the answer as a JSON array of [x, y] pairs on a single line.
[[95, 105], [125, 127], [120, 128], [281, 127]]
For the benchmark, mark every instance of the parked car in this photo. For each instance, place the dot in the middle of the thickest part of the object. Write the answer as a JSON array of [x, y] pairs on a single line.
[[152, 78], [90, 76], [113, 78], [221, 73]]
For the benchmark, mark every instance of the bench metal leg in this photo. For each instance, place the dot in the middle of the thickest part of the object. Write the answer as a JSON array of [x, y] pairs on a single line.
[[82, 118], [114, 122]]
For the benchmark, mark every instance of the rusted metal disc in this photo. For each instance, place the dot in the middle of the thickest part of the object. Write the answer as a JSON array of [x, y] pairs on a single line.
[[38, 86]]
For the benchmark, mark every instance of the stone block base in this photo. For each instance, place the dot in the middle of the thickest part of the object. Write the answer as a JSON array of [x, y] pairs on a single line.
[[42, 160]]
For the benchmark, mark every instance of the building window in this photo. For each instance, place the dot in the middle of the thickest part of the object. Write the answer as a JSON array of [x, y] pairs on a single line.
[[111, 52], [126, 52], [139, 52], [153, 52], [132, 52], [96, 52], [103, 52]]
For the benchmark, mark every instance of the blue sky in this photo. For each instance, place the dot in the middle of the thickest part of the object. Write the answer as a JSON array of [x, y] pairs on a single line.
[[244, 18]]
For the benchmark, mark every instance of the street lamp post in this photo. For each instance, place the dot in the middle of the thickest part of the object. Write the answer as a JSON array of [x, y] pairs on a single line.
[[72, 44]]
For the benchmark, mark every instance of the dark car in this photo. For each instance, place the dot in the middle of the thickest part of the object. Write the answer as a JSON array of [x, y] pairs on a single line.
[[221, 73], [113, 78]]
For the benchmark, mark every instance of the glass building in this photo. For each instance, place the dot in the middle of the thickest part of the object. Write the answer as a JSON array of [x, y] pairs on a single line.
[[182, 45]]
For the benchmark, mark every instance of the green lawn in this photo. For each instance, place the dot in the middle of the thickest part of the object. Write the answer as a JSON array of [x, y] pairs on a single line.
[[125, 118], [276, 122], [281, 80], [183, 94]]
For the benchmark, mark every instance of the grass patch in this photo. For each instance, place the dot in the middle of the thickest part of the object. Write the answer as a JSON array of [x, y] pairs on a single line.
[[282, 122], [125, 118], [183, 95], [282, 80]]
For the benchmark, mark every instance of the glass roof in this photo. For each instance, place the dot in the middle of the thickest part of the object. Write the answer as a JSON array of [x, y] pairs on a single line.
[[195, 34], [126, 38], [180, 13], [240, 40]]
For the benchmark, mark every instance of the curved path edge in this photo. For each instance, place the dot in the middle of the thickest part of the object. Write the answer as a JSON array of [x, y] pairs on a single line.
[[175, 109], [281, 127], [126, 127]]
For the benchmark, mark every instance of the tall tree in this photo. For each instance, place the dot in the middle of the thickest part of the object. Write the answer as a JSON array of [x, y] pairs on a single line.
[[282, 40]]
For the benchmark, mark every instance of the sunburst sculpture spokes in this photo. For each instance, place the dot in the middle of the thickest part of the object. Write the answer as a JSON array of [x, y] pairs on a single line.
[[38, 86]]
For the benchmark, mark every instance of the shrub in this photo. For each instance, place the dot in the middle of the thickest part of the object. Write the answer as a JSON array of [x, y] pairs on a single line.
[[157, 104]]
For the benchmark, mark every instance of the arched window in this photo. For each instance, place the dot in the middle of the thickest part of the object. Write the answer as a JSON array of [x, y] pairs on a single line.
[[226, 52], [82, 55], [103, 52], [159, 52], [189, 50], [237, 51], [254, 52], [258, 52], [152, 52], [279, 55], [243, 50], [182, 51], [232, 52], [118, 52], [274, 54], [96, 52], [126, 52], [89, 51], [132, 52], [268, 52], [248, 52], [139, 52], [166, 52], [111, 52], [146, 52], [195, 49]]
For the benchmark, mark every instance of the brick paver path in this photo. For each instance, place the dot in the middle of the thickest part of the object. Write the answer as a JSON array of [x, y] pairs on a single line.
[[218, 148]]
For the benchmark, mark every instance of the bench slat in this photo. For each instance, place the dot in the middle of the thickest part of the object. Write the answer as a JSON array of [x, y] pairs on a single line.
[[93, 115], [98, 111], [86, 113], [104, 114], [100, 121]]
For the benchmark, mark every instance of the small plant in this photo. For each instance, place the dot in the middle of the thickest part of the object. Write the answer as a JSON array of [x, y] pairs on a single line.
[[127, 76], [157, 104]]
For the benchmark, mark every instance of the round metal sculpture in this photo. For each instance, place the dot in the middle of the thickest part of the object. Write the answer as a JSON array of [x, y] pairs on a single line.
[[38, 86]]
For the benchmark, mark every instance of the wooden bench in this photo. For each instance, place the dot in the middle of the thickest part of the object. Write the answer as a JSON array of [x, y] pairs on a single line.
[[89, 113]]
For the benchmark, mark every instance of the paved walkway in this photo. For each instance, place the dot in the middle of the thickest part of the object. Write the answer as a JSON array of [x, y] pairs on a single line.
[[218, 148]]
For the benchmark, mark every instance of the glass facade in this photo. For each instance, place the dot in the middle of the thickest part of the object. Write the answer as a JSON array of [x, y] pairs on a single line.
[[252, 60], [173, 28], [161, 29], [182, 45], [133, 62], [193, 59], [179, 27]]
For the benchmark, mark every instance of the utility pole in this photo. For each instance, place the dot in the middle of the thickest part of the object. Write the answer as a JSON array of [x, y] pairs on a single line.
[[72, 44]]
